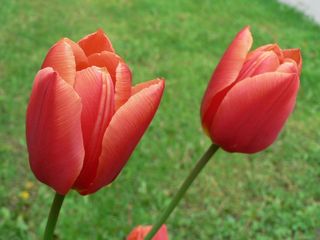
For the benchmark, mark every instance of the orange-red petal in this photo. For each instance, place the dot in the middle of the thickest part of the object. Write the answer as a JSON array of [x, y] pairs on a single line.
[[226, 72], [61, 58], [140, 232], [80, 57], [96, 42], [253, 112], [140, 86], [288, 66], [96, 91], [294, 54], [269, 47], [119, 72], [53, 130], [123, 84], [266, 61], [106, 59], [124, 132]]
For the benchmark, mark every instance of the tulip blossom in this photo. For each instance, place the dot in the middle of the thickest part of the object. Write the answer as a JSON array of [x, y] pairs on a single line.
[[140, 232], [84, 117], [250, 95]]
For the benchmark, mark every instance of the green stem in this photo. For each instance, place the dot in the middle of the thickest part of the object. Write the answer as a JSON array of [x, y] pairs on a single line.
[[184, 187], [53, 216]]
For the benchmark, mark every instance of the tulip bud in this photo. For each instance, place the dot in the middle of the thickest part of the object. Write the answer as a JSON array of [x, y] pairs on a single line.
[[250, 95], [140, 232], [84, 118]]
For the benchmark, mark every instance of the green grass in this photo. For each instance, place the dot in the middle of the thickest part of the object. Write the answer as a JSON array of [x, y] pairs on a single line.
[[271, 195]]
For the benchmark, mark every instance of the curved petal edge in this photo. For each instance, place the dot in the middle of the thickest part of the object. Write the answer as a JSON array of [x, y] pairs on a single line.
[[226, 72], [53, 131], [124, 132], [96, 42], [254, 111]]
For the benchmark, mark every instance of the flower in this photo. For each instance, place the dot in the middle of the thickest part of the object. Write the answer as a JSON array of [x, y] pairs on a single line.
[[250, 95], [140, 232], [84, 118], [25, 195]]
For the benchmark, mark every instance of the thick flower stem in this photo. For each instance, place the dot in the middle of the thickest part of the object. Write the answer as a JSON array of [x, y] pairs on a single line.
[[184, 187], [53, 216]]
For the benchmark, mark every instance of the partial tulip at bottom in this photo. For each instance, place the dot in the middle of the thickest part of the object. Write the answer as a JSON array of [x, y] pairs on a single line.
[[182, 190]]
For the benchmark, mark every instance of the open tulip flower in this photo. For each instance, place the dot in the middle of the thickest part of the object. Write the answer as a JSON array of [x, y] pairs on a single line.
[[250, 95], [140, 232], [84, 118]]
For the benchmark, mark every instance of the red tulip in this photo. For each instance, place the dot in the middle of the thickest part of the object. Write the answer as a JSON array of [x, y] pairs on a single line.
[[250, 95], [84, 118], [140, 232]]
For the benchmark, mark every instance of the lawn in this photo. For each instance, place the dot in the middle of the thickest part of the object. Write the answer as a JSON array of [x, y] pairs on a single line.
[[271, 195]]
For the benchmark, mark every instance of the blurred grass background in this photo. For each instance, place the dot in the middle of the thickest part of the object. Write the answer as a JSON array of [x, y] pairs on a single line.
[[271, 195]]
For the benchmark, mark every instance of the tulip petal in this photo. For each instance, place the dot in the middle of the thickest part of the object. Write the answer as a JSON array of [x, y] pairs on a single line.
[[267, 61], [60, 57], [96, 91], [162, 234], [140, 232], [96, 42], [288, 66], [80, 57], [53, 130], [119, 71], [106, 59], [253, 112], [269, 47], [294, 54], [226, 72], [140, 86], [124, 132], [123, 84], [269, 64]]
